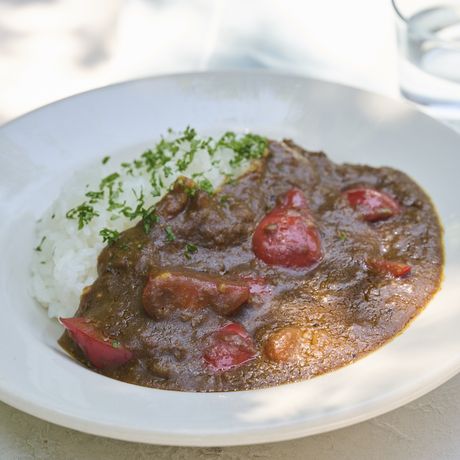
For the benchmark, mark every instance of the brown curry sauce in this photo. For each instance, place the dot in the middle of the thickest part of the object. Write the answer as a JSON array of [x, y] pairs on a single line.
[[219, 315]]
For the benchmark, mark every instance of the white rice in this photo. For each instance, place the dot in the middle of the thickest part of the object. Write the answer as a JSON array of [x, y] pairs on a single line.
[[66, 260]]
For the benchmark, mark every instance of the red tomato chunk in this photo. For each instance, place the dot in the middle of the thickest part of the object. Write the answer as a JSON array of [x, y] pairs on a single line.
[[287, 236], [294, 199], [229, 347], [396, 269], [372, 204], [101, 352], [258, 286], [171, 290]]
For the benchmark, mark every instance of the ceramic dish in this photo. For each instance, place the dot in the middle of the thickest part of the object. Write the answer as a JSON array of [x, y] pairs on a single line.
[[40, 150]]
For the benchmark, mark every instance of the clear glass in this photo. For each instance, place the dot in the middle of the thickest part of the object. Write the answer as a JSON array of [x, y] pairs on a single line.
[[429, 54]]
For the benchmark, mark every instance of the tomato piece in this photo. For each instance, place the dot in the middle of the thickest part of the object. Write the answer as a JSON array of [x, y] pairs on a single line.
[[396, 269], [288, 238], [285, 345], [258, 285], [101, 352], [170, 290], [294, 199], [229, 347], [372, 204]]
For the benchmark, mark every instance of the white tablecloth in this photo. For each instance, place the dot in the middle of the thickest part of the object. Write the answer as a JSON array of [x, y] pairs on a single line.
[[50, 49]]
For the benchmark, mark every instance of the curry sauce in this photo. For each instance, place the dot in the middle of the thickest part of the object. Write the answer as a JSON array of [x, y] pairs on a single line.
[[296, 268]]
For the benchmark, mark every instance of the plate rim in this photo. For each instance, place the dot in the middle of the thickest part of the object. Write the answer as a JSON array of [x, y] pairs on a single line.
[[270, 434]]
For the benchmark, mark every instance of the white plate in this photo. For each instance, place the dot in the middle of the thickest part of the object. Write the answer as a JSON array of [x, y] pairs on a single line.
[[39, 150]]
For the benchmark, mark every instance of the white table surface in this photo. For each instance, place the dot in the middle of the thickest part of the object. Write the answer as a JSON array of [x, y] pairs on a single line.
[[51, 49]]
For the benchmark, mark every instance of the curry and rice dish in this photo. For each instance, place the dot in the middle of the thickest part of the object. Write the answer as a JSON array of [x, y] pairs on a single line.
[[290, 269]]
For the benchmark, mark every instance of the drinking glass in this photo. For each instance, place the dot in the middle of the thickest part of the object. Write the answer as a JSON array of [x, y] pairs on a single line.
[[429, 54]]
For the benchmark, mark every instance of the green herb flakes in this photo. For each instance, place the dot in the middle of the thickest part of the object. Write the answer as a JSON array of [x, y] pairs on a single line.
[[190, 249], [205, 185], [342, 235], [83, 213], [170, 234], [94, 197], [148, 220], [108, 181], [247, 147], [109, 236], [40, 245]]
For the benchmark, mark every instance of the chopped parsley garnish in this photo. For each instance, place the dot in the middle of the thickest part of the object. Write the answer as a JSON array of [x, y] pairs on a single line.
[[83, 213], [247, 147], [229, 179], [147, 215], [108, 181], [175, 154], [170, 234], [148, 219], [94, 197], [190, 248], [109, 236], [40, 245], [116, 344], [190, 190], [184, 162], [167, 170], [205, 185], [342, 235]]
